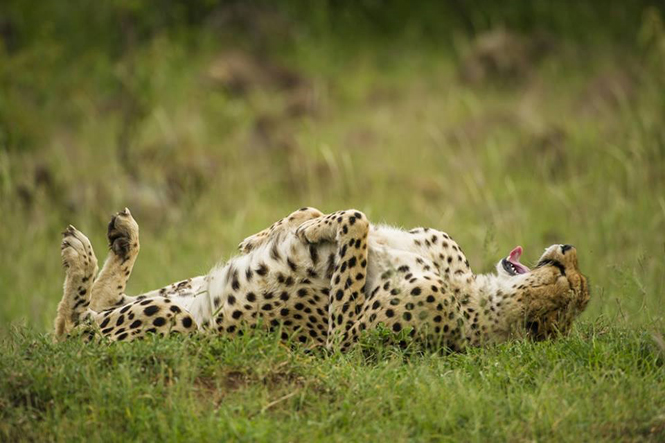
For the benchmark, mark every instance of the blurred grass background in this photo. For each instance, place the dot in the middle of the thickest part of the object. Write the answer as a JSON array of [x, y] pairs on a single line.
[[525, 123]]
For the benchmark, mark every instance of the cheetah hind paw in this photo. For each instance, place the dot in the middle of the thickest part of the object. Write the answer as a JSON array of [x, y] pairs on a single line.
[[77, 254], [123, 234]]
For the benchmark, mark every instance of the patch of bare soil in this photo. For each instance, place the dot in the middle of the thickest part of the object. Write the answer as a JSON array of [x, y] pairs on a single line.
[[260, 23], [607, 91], [239, 72], [215, 388], [503, 56]]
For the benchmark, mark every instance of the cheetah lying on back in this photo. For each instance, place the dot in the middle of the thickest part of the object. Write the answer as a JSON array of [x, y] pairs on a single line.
[[323, 280]]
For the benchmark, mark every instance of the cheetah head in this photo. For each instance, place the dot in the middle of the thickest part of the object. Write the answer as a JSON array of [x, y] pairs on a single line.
[[551, 295]]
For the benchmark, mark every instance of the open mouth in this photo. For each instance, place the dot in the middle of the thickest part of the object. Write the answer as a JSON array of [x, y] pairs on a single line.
[[512, 265]]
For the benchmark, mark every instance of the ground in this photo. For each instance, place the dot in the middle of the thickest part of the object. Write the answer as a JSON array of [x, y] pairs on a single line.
[[601, 383], [562, 142]]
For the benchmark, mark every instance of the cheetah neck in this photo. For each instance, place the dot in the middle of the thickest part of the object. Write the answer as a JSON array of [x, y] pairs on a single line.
[[498, 307]]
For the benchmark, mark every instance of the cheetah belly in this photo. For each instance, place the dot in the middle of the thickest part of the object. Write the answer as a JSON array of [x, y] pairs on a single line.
[[284, 283]]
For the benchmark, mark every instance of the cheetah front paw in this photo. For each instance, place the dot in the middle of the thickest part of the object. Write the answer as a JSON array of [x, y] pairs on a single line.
[[253, 242], [123, 235], [287, 224], [77, 255], [316, 231]]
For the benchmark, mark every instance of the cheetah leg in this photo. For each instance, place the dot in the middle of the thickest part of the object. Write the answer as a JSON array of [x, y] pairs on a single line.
[[349, 229], [109, 287], [291, 221], [80, 265], [137, 316]]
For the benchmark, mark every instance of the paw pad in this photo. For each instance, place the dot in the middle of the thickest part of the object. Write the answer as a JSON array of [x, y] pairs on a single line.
[[123, 234]]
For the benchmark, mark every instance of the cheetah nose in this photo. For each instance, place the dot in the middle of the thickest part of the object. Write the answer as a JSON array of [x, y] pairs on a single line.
[[566, 248]]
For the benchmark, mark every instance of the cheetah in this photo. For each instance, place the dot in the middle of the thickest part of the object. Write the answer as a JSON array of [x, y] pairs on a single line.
[[322, 280]]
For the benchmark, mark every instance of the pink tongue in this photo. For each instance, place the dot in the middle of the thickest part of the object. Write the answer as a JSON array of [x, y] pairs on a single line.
[[514, 258]]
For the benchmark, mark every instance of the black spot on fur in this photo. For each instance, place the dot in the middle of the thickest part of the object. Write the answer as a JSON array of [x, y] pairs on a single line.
[[314, 254], [274, 253], [151, 310], [262, 270]]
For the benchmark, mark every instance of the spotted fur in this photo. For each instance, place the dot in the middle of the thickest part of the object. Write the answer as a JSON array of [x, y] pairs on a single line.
[[322, 280]]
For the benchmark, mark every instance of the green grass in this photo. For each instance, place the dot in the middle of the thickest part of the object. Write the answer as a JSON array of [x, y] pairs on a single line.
[[601, 383], [572, 150]]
